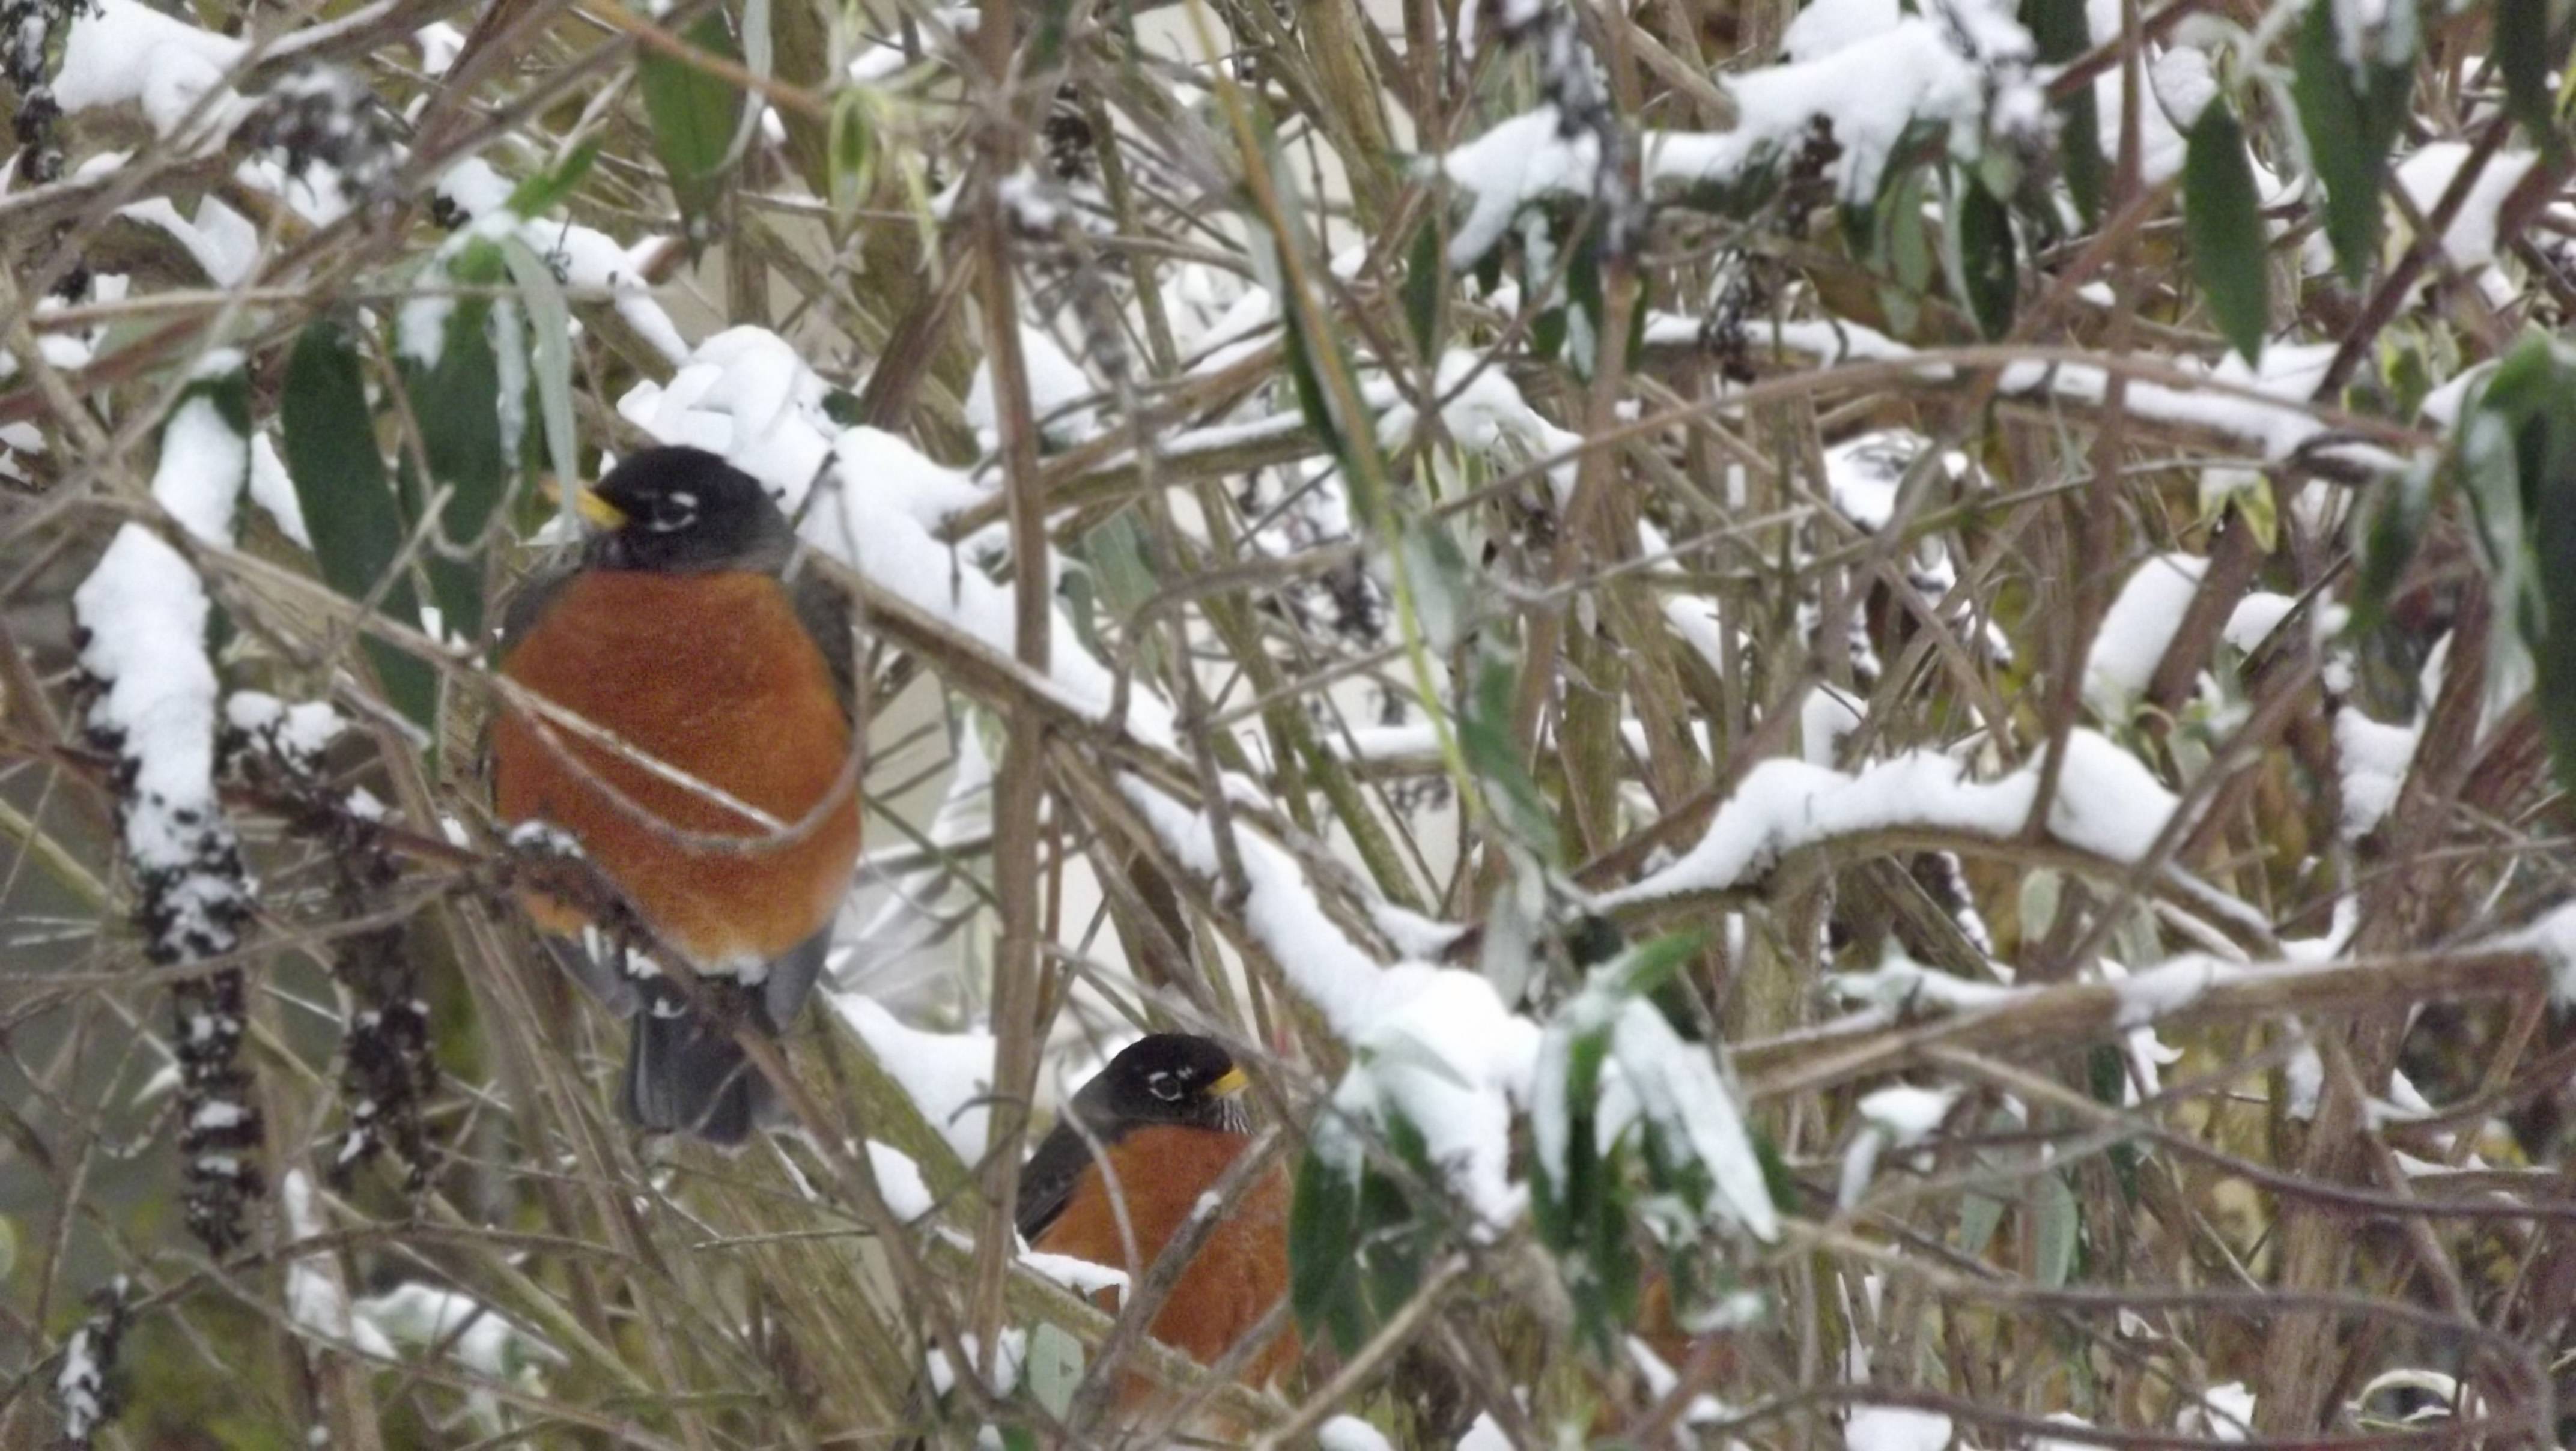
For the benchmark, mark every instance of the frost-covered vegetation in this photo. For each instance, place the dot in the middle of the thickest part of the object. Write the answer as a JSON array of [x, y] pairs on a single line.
[[1862, 712]]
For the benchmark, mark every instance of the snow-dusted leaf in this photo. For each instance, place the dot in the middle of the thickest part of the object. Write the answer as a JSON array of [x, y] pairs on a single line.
[[2350, 116], [550, 334], [455, 393], [2223, 221], [349, 508], [2517, 454]]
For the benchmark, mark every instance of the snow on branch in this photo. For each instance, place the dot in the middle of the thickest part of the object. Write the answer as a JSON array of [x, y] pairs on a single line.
[[142, 616], [2107, 803], [1964, 66]]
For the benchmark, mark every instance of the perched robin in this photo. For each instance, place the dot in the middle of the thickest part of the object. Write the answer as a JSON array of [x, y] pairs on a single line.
[[1167, 1119], [683, 629]]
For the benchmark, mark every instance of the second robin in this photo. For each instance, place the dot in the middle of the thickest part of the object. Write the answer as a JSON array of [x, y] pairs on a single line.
[[1167, 1118], [682, 630]]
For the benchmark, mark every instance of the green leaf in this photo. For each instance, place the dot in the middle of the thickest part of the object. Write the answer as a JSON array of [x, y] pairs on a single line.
[[1652, 963], [1585, 305], [1426, 276], [2350, 123], [2391, 525], [851, 152], [1485, 738], [2517, 456], [456, 400], [550, 334], [547, 190], [2062, 32], [1902, 251], [2057, 1222], [1323, 1224], [2223, 221], [1052, 1368], [1989, 274], [329, 444], [2522, 52], [693, 115]]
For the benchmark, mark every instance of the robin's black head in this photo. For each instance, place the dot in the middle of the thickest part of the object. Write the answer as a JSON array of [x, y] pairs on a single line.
[[684, 510], [1166, 1078]]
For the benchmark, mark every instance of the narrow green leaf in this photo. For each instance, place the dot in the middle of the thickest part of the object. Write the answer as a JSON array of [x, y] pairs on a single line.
[[1989, 274], [2057, 1221], [851, 153], [2522, 52], [2391, 526], [1585, 305], [1485, 738], [550, 334], [2062, 32], [329, 443], [1902, 252], [547, 190], [2223, 221], [693, 116], [456, 400], [2516, 453], [1323, 1224], [1425, 279], [2349, 126]]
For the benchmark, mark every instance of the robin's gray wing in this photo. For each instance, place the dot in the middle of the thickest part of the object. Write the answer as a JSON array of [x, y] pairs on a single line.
[[824, 611], [792, 977], [1047, 1180]]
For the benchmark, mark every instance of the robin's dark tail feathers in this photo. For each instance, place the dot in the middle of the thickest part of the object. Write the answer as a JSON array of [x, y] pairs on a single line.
[[686, 1073]]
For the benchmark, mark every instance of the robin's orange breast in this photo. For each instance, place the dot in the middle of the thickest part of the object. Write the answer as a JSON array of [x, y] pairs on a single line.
[[1240, 1271], [713, 675]]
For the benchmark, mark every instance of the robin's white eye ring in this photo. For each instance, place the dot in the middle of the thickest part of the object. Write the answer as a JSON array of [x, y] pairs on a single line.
[[1162, 1086]]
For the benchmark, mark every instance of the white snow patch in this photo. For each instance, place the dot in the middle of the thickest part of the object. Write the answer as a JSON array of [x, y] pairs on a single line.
[[1082, 1277], [2553, 936], [1350, 1433], [2470, 240], [1895, 1428], [1059, 394], [2375, 760], [899, 1181], [948, 1076], [747, 396], [2256, 617], [2136, 631], [317, 1298], [2165, 989], [273, 489], [124, 51]]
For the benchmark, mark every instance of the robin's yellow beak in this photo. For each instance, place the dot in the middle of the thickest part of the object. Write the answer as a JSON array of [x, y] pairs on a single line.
[[1229, 1084], [587, 503]]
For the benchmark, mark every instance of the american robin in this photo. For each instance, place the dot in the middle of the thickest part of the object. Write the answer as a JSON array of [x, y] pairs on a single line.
[[683, 629], [1168, 1119]]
